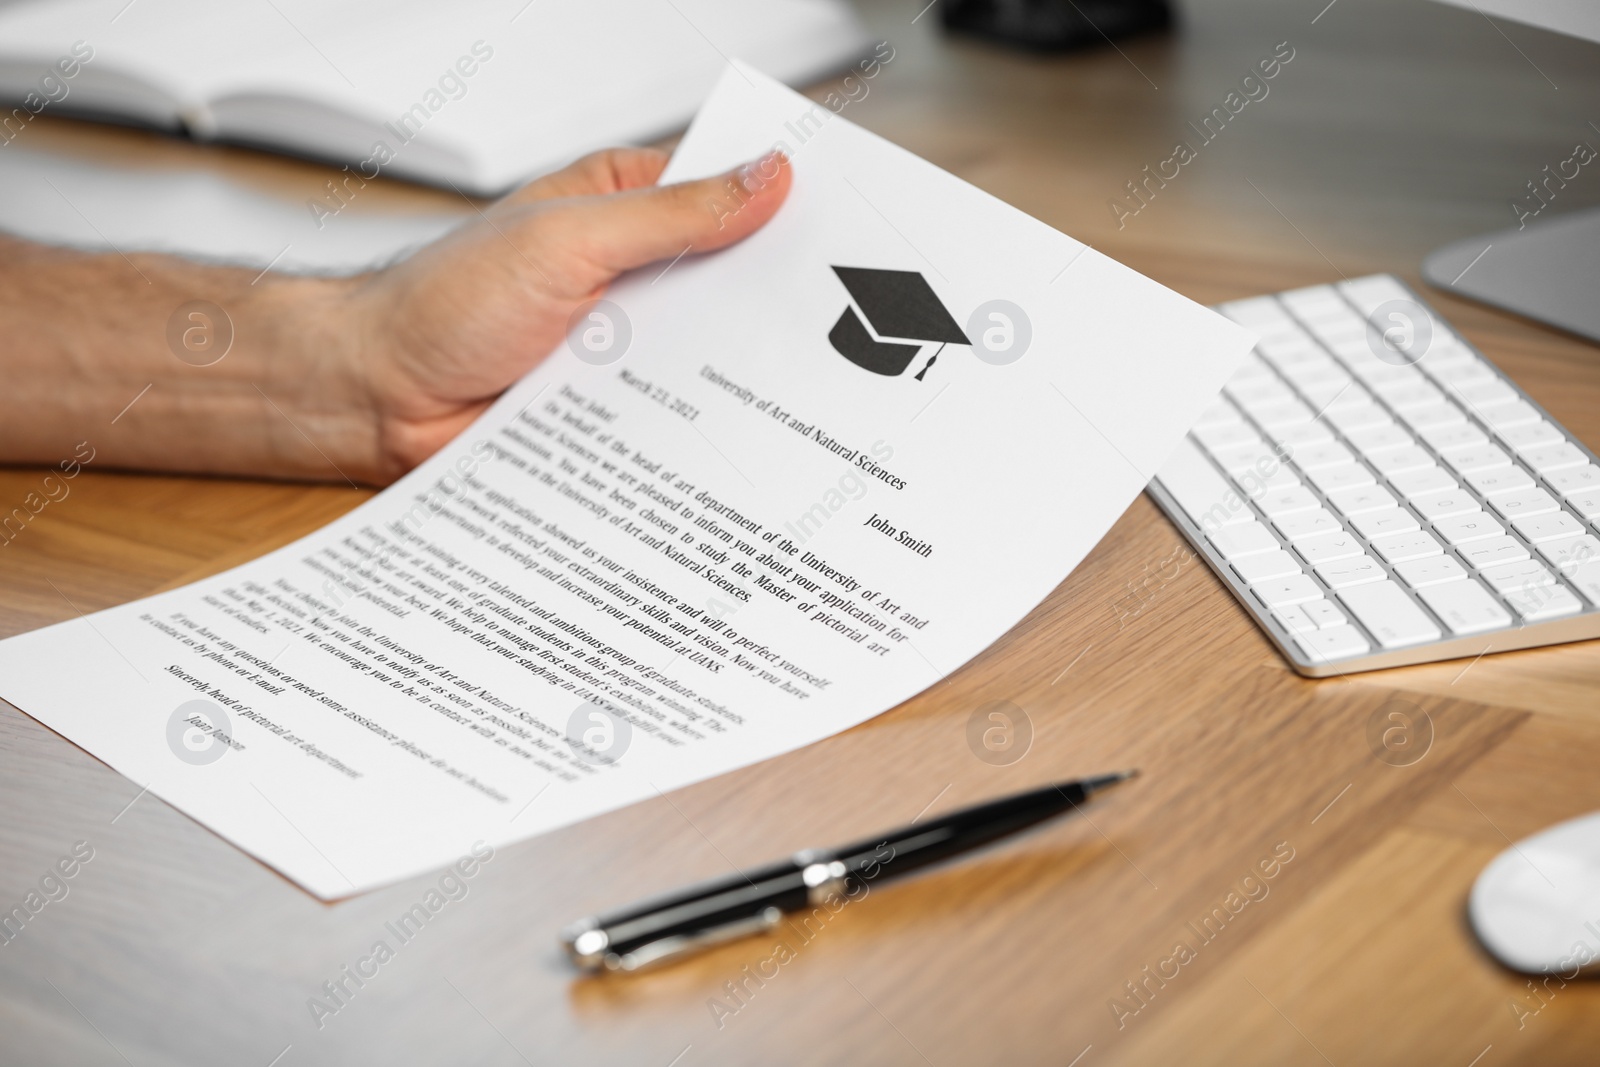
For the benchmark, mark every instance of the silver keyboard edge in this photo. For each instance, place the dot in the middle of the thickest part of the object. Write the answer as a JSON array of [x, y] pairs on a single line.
[[1580, 627], [1583, 626]]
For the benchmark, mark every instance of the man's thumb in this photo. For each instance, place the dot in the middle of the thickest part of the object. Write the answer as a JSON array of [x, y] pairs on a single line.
[[620, 231]]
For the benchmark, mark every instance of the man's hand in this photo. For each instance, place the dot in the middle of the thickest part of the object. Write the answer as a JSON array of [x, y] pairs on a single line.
[[466, 317], [352, 378]]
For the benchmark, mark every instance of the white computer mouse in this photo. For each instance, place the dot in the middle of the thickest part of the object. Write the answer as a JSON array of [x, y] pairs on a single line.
[[1536, 906]]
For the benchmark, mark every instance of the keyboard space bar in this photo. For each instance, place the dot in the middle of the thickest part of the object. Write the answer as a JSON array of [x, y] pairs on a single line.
[[1200, 491], [1385, 610]]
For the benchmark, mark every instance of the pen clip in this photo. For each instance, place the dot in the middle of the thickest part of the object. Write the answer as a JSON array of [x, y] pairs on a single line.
[[589, 948], [624, 942]]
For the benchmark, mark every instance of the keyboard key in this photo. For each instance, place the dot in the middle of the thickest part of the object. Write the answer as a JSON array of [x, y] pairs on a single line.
[[1508, 577], [1275, 502], [1260, 567], [1420, 573], [1236, 459], [1570, 553], [1574, 479], [1277, 476], [1321, 457], [1306, 523], [1316, 302], [1255, 312], [1532, 590], [1245, 539], [1324, 614], [1356, 396], [1358, 570], [1507, 416], [1252, 368], [1450, 502], [1314, 365], [1226, 435], [1281, 477], [1288, 413], [1587, 581], [1494, 550], [1460, 529], [1292, 617], [1407, 395], [1356, 416], [1358, 352], [1348, 341], [1450, 348], [1362, 499], [1380, 375], [1297, 437], [1286, 349], [1378, 523], [1401, 460], [1499, 480], [1477, 458], [1530, 435], [1203, 494], [1585, 502], [1544, 602], [1429, 480], [1252, 391], [1547, 458], [1465, 607], [1333, 479], [1519, 502], [1389, 615], [1373, 291], [1374, 439], [1486, 393], [1318, 381], [1446, 439], [1397, 548], [1324, 548], [1537, 528], [1323, 391], [1335, 643], [1295, 589], [1578, 561], [1433, 417], [1221, 413], [1460, 372]]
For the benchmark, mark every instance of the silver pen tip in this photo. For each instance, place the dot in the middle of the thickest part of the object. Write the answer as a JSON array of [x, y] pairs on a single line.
[[1106, 781]]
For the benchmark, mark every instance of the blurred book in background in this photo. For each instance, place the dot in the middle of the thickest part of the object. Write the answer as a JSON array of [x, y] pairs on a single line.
[[479, 94]]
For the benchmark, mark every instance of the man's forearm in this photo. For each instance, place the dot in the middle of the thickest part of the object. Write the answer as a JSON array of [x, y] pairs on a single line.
[[164, 364], [158, 363]]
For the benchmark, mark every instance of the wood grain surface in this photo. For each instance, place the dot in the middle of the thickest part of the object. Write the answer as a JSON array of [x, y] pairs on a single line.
[[1396, 127]]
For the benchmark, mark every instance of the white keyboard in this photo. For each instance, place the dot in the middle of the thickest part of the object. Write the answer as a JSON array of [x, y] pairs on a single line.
[[1377, 493]]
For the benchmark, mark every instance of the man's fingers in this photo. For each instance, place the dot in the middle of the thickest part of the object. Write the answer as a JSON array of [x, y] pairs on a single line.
[[614, 170], [624, 230]]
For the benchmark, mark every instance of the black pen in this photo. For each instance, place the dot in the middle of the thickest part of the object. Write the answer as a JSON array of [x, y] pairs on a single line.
[[756, 900]]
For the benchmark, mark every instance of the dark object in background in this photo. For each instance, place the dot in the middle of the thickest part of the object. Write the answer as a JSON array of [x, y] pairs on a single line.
[[1055, 25]]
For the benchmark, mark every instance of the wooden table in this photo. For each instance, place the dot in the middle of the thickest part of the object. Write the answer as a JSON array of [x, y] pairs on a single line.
[[1397, 126]]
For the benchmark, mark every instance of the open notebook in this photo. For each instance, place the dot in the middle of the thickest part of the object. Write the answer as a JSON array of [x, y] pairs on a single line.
[[481, 94]]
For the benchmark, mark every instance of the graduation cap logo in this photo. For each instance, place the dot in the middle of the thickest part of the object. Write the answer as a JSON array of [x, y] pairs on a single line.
[[900, 307]]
